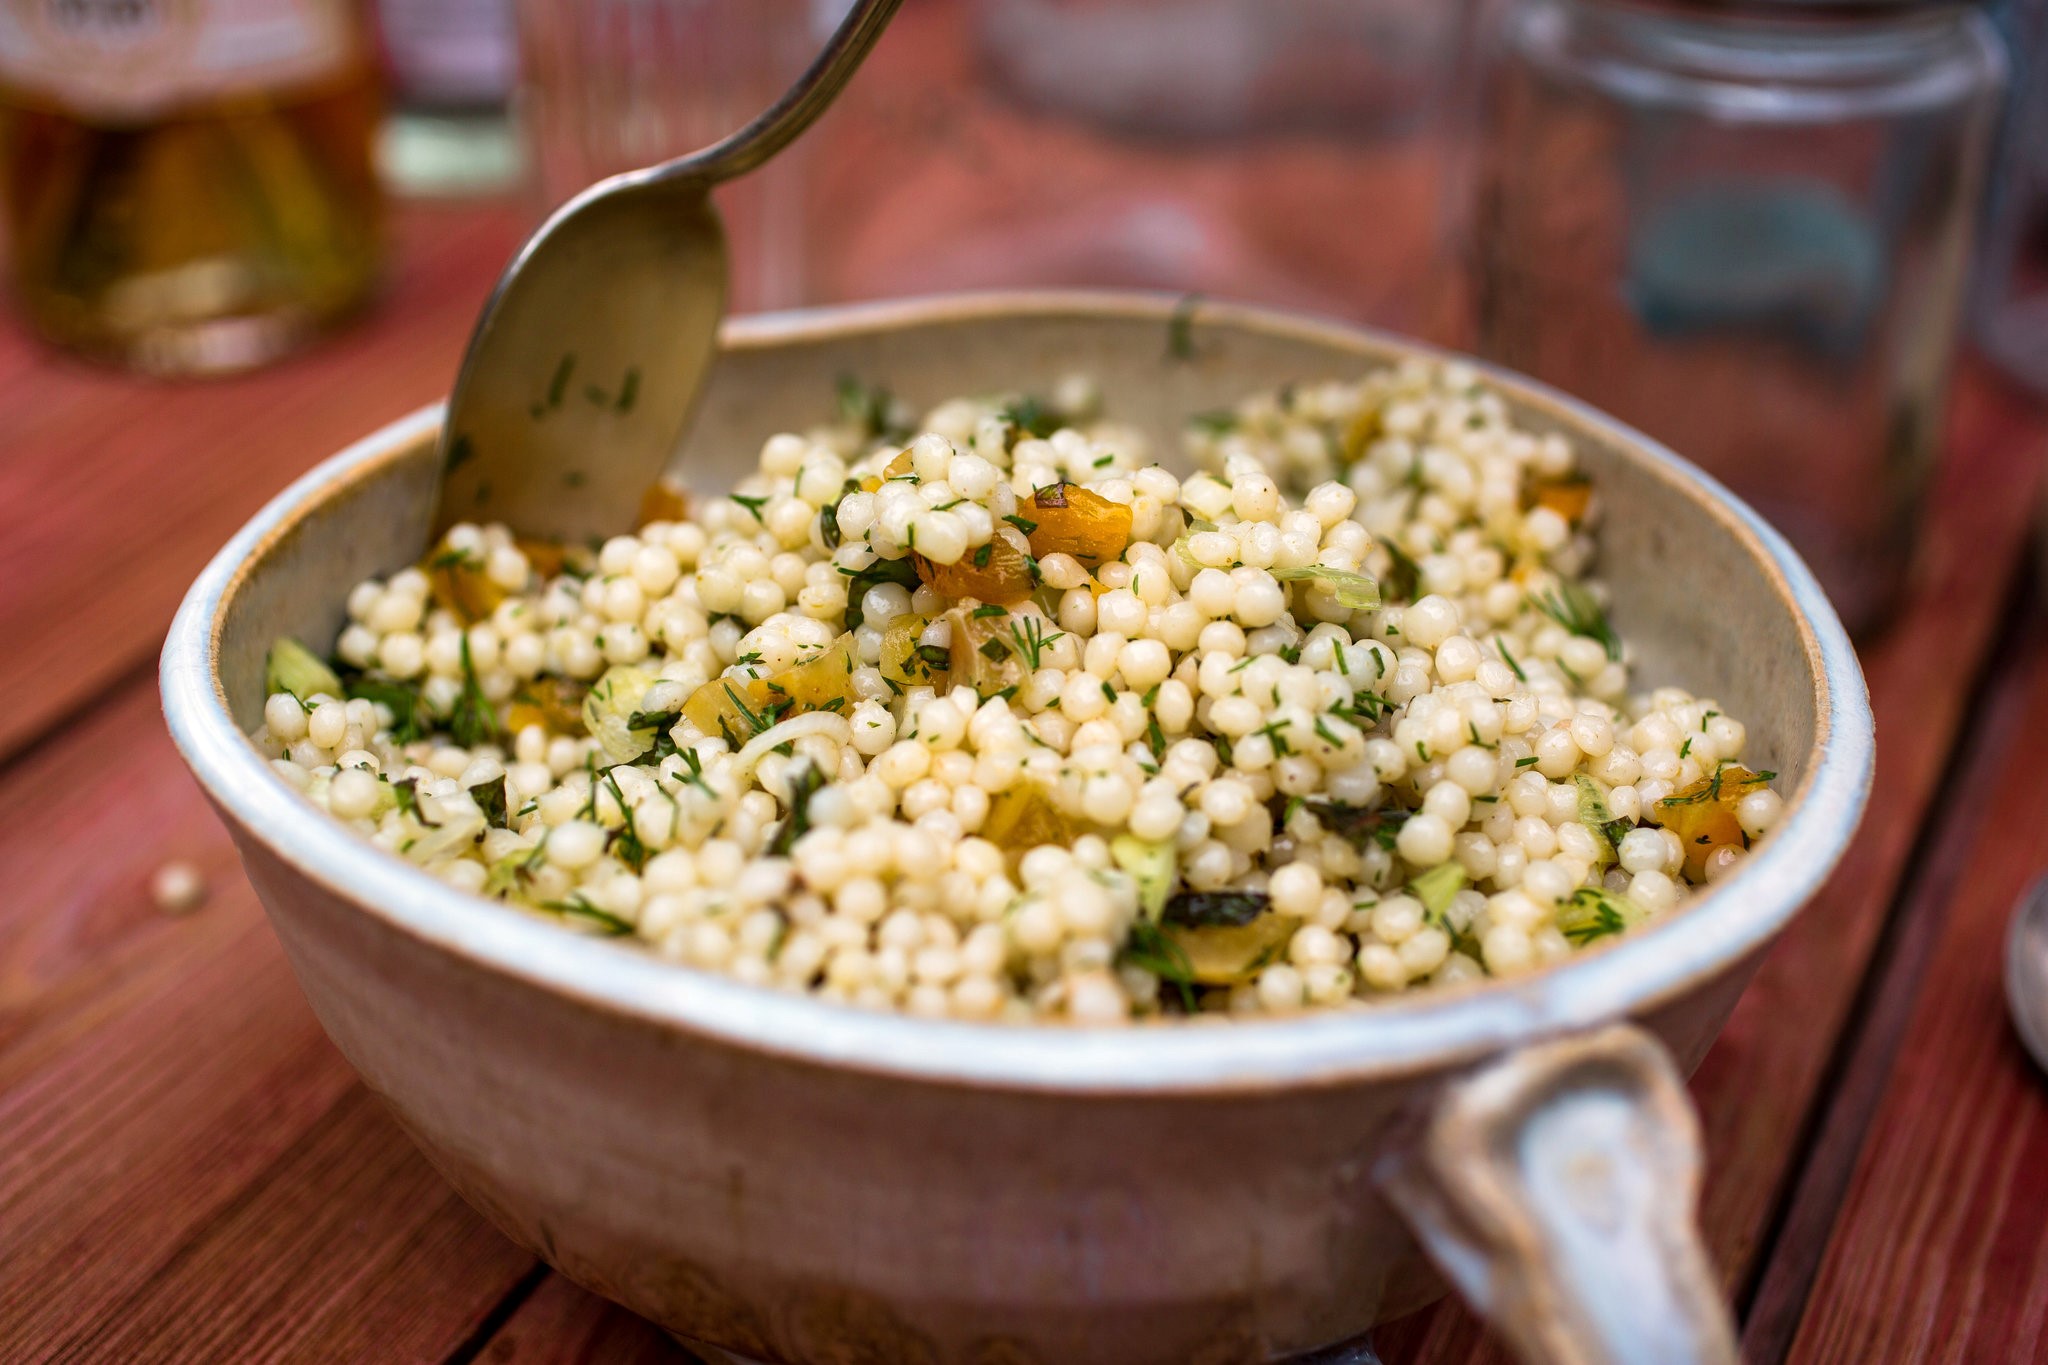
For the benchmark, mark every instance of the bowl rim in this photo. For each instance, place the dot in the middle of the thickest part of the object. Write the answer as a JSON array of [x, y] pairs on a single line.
[[1425, 1030]]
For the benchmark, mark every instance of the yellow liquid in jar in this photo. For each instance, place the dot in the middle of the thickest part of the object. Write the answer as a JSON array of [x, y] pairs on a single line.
[[211, 239]]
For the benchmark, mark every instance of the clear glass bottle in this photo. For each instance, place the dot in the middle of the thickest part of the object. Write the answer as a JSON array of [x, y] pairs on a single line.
[[611, 85], [1285, 151], [1746, 230], [187, 184]]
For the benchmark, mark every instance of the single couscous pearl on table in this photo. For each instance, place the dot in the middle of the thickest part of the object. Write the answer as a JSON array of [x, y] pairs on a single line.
[[177, 888]]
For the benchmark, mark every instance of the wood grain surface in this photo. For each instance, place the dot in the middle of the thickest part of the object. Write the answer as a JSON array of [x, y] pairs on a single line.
[[1940, 1251], [189, 1171]]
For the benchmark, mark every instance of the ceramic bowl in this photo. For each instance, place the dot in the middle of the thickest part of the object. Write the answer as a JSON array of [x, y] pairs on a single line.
[[787, 1180]]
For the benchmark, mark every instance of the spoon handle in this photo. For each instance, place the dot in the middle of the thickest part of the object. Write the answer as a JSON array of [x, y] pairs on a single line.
[[799, 106]]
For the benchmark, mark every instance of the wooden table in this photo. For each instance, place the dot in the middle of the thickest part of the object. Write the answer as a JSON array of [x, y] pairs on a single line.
[[188, 1170]]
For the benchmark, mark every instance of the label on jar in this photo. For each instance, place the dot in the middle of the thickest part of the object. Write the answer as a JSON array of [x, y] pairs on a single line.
[[131, 59]]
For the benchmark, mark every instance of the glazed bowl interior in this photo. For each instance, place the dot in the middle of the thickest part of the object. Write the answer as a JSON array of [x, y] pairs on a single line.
[[1705, 594]]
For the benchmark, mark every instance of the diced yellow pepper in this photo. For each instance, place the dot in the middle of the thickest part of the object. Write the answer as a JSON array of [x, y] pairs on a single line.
[[1703, 815], [1022, 819], [1071, 520], [1231, 954]]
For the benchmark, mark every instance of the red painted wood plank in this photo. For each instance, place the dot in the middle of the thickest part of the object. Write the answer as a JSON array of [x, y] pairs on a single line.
[[79, 935], [348, 1247], [170, 1104], [564, 1325], [1941, 1251], [1759, 1085]]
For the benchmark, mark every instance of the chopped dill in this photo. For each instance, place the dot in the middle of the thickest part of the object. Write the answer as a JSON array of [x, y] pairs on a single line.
[[1572, 607], [1502, 645]]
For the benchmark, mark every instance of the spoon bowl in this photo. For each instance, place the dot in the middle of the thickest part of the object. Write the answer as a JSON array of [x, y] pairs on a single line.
[[585, 366], [588, 358]]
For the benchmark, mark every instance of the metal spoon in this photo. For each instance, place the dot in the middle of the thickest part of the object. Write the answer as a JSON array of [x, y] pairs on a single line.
[[2026, 970], [589, 355]]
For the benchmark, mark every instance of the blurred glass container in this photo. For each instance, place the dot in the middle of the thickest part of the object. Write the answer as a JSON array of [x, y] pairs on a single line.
[[1221, 67], [1282, 151], [188, 186], [612, 85], [2011, 296], [450, 66], [1746, 230], [449, 54]]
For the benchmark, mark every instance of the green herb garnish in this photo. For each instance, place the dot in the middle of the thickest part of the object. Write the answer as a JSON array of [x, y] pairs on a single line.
[[1030, 417], [1030, 639], [1572, 607], [491, 798], [407, 795], [898, 571], [828, 516], [1359, 824], [1405, 579], [559, 385], [626, 841], [1356, 591], [1215, 909], [474, 720], [1594, 913], [869, 409], [1150, 947], [578, 907], [805, 780], [408, 711], [1502, 645], [696, 774], [1180, 328]]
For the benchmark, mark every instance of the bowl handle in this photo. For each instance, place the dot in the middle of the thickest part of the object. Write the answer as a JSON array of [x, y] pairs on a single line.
[[1556, 1189]]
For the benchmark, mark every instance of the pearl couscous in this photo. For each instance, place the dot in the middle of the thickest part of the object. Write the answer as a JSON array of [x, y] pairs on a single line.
[[992, 717]]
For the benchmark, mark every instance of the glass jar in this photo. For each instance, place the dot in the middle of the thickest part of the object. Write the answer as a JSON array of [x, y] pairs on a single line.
[[2011, 300], [1282, 151], [612, 85], [1745, 230], [187, 188]]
